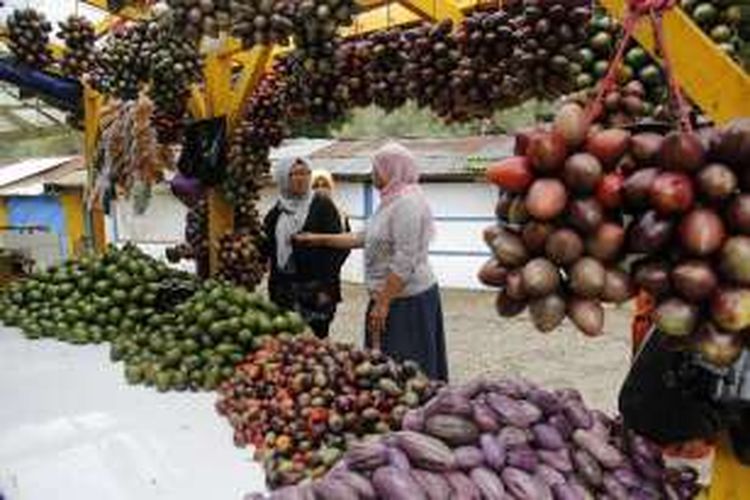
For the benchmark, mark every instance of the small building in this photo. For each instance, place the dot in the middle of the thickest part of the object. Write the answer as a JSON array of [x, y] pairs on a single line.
[[58, 218]]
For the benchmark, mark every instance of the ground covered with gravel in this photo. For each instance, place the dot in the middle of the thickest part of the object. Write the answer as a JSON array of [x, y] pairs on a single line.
[[480, 342]]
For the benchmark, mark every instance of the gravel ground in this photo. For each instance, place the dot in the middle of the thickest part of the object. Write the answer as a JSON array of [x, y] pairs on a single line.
[[480, 342]]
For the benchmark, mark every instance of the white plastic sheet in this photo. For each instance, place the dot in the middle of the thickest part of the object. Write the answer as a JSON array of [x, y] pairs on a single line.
[[71, 428]]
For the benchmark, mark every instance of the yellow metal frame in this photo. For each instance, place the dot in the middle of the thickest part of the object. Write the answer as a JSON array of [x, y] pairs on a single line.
[[714, 82]]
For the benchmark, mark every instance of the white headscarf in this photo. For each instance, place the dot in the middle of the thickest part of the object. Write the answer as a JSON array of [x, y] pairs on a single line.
[[294, 211]]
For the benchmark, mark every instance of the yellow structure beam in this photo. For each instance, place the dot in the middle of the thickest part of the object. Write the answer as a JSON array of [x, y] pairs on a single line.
[[731, 480], [712, 80], [218, 77], [434, 9], [72, 205], [253, 67], [383, 17], [4, 217]]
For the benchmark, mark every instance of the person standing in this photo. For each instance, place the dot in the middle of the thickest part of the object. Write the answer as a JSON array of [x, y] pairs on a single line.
[[404, 315], [302, 279], [323, 183]]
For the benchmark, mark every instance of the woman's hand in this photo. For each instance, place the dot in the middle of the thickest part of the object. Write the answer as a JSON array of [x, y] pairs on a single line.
[[306, 239], [377, 319]]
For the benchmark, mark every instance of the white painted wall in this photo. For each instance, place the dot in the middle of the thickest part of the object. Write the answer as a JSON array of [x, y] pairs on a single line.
[[162, 226], [462, 210]]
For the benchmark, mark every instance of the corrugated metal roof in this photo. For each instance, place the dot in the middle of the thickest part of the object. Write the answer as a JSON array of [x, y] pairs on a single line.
[[27, 178], [299, 148], [436, 156]]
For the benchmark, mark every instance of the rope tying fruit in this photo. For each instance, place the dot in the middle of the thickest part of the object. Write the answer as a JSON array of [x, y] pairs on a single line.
[[652, 10]]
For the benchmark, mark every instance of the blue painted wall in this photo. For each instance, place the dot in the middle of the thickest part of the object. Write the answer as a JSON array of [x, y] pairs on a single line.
[[38, 211]]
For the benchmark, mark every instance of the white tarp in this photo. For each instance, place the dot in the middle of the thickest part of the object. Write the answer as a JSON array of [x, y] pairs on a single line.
[[72, 428], [15, 172]]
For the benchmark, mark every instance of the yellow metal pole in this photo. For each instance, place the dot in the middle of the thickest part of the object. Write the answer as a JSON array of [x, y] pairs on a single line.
[[730, 481], [72, 205], [434, 9], [92, 104], [254, 65], [709, 76]]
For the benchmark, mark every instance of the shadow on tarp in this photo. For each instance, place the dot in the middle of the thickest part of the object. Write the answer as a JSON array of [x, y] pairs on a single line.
[[64, 93]]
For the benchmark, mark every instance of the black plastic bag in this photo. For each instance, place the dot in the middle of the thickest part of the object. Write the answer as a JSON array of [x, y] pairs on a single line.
[[667, 397], [204, 151]]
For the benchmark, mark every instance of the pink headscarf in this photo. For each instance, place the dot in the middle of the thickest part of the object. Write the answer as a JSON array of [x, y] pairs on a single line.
[[398, 166]]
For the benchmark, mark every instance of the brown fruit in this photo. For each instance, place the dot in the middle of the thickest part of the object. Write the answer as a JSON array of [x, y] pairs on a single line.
[[534, 236], [540, 277], [702, 232], [547, 312], [672, 193], [492, 274], [582, 173], [645, 148], [738, 215], [514, 286], [716, 182], [571, 124], [637, 188], [718, 347], [676, 318], [507, 307], [587, 278], [650, 233], [587, 315], [586, 215], [607, 242], [546, 199], [547, 152], [564, 247], [617, 287], [608, 146], [734, 259], [509, 249], [730, 309], [652, 276], [682, 151], [694, 280]]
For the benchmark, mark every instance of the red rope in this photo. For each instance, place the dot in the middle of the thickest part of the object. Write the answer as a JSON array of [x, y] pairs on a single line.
[[681, 109]]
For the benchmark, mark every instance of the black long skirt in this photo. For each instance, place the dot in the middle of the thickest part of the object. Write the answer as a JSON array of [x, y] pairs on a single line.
[[414, 331]]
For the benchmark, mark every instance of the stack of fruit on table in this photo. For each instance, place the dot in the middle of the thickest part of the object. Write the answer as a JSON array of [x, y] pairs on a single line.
[[197, 344], [90, 300], [300, 401], [587, 200], [500, 439]]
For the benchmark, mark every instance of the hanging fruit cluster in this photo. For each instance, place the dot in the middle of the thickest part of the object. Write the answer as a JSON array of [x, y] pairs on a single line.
[[122, 64], [300, 401], [197, 18], [196, 235], [240, 260], [263, 22], [175, 65], [563, 257], [585, 200], [718, 19], [79, 37], [640, 80], [28, 31]]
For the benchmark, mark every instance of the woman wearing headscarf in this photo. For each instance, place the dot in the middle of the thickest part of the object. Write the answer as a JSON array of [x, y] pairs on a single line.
[[323, 183], [404, 316], [303, 279]]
